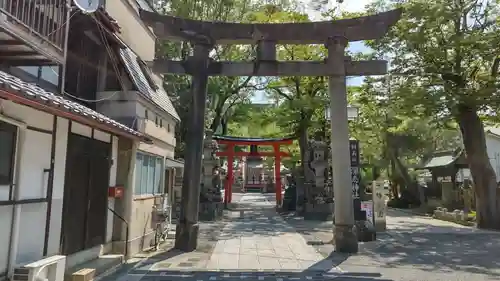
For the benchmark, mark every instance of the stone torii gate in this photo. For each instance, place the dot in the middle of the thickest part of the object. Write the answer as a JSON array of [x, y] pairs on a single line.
[[203, 35]]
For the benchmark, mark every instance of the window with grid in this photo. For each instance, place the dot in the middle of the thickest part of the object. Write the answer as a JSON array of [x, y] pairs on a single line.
[[148, 174]]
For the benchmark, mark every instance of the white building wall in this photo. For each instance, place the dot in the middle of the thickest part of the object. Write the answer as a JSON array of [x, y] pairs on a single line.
[[493, 148], [33, 183]]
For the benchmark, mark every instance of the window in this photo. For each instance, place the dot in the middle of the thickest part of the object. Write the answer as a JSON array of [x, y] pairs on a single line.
[[8, 138], [148, 174], [138, 173], [156, 121], [161, 123], [168, 127], [48, 74], [158, 172], [146, 115]]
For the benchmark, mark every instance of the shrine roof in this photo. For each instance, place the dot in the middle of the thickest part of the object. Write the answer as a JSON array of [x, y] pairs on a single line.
[[251, 140], [353, 29], [443, 159]]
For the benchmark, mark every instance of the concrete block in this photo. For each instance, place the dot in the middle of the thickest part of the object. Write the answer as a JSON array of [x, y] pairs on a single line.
[[84, 274]]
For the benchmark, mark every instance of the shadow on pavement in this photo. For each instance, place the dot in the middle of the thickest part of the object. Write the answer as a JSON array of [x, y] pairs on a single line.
[[442, 252], [415, 243], [230, 275], [411, 244]]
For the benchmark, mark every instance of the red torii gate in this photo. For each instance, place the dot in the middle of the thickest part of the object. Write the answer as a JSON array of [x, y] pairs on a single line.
[[229, 152]]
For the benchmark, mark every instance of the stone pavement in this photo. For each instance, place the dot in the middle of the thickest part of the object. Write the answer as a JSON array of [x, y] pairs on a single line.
[[414, 248], [260, 239], [255, 243]]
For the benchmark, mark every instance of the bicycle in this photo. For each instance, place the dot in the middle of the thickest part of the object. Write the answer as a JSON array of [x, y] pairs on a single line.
[[163, 227]]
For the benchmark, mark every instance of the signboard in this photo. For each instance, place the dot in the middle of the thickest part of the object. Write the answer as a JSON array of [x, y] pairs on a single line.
[[367, 206], [354, 152], [355, 172], [380, 192]]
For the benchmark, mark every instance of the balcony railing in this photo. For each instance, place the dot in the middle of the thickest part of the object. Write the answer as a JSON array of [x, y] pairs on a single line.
[[42, 20]]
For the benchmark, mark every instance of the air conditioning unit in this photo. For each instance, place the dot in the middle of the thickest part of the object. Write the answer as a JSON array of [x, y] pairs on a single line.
[[47, 269]]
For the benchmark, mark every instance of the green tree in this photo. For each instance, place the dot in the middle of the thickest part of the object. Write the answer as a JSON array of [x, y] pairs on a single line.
[[299, 99], [393, 138], [445, 64], [223, 92]]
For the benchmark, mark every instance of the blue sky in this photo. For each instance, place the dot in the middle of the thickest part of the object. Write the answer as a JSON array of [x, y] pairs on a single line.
[[355, 47]]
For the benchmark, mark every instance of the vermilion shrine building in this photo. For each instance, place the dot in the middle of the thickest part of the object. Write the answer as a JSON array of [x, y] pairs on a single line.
[[229, 151]]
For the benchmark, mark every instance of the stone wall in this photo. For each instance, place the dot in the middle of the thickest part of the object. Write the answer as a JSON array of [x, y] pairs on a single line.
[[456, 216]]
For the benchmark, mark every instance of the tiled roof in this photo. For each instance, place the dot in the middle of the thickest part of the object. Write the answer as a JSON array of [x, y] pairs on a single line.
[[159, 96], [443, 159], [14, 85], [493, 130]]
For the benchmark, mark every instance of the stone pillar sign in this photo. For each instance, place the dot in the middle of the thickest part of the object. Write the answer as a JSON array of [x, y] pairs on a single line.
[[380, 192], [355, 172]]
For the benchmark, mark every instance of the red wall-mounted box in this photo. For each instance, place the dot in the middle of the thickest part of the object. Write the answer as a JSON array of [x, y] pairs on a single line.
[[115, 192]]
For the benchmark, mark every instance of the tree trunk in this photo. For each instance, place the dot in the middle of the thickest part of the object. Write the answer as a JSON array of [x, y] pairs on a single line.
[[304, 149], [217, 119], [482, 172], [224, 127]]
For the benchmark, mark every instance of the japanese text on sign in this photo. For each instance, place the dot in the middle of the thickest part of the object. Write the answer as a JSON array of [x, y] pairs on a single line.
[[355, 177], [354, 152], [355, 173]]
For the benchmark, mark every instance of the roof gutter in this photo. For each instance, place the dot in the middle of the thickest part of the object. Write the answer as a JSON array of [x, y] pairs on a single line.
[[74, 117]]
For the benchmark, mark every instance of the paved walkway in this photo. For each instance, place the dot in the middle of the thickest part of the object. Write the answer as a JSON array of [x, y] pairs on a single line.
[[260, 239], [254, 244]]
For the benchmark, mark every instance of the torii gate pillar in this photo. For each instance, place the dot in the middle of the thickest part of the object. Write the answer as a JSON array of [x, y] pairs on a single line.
[[345, 237], [186, 232]]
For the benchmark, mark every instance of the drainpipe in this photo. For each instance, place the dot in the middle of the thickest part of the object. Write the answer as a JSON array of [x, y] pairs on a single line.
[[16, 214]]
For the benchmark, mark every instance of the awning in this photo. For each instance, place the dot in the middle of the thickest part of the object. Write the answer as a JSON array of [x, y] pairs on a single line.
[[174, 163]]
